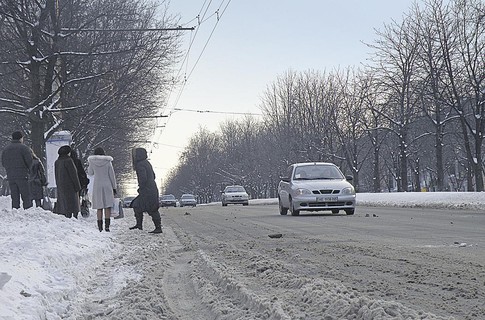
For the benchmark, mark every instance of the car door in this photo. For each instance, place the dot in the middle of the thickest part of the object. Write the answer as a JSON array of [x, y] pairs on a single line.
[[284, 187]]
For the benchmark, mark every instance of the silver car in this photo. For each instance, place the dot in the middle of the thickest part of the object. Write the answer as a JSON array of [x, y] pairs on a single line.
[[187, 200], [315, 186], [234, 195], [167, 200]]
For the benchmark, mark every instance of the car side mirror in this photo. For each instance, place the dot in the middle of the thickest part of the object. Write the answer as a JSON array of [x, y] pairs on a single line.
[[285, 179], [349, 178]]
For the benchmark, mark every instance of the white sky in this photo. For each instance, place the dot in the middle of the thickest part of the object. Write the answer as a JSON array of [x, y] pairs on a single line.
[[51, 266], [255, 42]]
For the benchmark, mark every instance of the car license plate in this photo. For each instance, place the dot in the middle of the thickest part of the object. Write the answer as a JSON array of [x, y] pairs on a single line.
[[327, 199]]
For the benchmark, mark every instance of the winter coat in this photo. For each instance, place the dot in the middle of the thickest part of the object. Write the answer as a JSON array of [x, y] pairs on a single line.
[[147, 199], [68, 185], [17, 160], [81, 173], [37, 179], [101, 168]]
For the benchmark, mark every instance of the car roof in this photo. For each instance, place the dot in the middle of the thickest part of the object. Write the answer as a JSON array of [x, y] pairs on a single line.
[[188, 194], [301, 164]]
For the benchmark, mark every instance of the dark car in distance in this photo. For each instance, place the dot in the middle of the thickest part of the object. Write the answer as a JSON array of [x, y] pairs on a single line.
[[168, 200]]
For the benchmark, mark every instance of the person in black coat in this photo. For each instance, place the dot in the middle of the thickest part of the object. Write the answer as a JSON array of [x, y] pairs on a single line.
[[81, 173], [83, 180], [37, 180], [17, 160], [67, 183], [147, 199]]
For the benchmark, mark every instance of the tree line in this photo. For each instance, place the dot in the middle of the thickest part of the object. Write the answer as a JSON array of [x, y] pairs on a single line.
[[93, 67], [411, 119]]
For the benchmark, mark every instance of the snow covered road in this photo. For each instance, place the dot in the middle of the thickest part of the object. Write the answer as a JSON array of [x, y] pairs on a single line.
[[220, 263]]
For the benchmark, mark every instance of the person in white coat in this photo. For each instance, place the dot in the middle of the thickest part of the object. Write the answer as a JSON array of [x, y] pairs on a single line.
[[104, 186]]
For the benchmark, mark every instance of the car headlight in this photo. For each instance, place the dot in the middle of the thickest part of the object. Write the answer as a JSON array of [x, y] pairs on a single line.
[[301, 192], [349, 191]]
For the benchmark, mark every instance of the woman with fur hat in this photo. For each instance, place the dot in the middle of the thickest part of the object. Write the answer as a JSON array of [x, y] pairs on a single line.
[[104, 186], [67, 183]]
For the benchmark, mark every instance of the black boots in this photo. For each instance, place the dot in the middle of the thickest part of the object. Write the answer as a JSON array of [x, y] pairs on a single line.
[[157, 221], [106, 225], [139, 222], [158, 229]]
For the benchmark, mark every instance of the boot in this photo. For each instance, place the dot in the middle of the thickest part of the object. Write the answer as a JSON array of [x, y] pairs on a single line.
[[100, 225], [157, 221], [139, 222], [75, 214], [107, 223]]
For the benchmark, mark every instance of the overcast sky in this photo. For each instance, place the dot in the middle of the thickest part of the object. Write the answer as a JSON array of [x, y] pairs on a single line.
[[253, 43]]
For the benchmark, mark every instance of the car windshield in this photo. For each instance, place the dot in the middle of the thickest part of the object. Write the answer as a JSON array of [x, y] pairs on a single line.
[[187, 196], [317, 172], [169, 197], [234, 189]]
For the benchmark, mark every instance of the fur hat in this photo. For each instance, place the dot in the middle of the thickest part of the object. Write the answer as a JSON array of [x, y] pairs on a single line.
[[64, 150], [17, 135]]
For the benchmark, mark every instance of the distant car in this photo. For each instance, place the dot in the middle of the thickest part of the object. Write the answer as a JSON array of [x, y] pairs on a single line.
[[168, 200], [187, 200], [315, 186], [127, 201], [234, 195]]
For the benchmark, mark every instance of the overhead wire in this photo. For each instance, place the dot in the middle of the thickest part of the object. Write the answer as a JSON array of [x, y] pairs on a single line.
[[185, 62]]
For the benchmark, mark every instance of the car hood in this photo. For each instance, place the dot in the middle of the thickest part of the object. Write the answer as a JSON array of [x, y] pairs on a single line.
[[338, 184]]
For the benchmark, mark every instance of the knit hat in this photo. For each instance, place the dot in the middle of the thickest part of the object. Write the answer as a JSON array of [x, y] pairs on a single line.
[[64, 150], [99, 151], [17, 135]]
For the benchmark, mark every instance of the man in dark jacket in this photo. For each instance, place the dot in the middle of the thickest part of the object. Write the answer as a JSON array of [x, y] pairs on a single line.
[[17, 160], [147, 199]]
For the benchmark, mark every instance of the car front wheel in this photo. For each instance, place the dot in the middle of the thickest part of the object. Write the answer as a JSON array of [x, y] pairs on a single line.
[[283, 210], [294, 212], [350, 212]]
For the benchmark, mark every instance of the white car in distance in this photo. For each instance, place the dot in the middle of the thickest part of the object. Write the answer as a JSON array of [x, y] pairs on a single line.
[[234, 195]]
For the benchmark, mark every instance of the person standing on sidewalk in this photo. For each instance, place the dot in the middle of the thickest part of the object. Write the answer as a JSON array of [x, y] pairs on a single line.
[[37, 180], [67, 184], [147, 199], [17, 161], [104, 186]]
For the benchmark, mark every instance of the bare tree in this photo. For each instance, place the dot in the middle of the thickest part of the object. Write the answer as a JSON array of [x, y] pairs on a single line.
[[396, 51], [84, 66]]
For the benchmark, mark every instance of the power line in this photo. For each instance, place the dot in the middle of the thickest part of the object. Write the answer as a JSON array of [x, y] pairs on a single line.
[[128, 30], [219, 112]]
